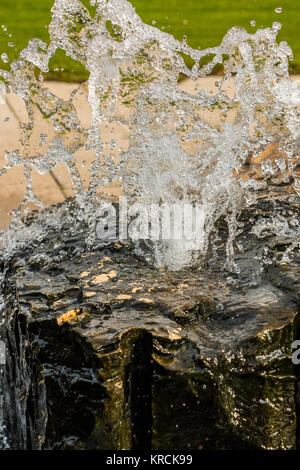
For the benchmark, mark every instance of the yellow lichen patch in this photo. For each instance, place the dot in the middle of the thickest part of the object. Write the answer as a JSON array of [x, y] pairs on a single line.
[[101, 278], [67, 316], [106, 259], [147, 301], [84, 274], [90, 294], [174, 335], [124, 297], [112, 274], [135, 289]]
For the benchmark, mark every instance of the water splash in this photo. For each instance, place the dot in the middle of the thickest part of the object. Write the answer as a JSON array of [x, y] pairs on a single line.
[[149, 139], [3, 432]]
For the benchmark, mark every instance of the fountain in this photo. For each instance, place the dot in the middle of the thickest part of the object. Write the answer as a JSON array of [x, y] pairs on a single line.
[[157, 340]]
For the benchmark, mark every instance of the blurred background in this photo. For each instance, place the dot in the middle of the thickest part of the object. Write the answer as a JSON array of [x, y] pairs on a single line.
[[204, 22]]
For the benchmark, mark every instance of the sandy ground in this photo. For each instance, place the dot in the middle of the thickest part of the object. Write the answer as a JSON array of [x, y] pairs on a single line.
[[56, 187]]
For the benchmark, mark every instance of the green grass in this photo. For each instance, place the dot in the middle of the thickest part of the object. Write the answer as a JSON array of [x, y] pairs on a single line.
[[203, 21]]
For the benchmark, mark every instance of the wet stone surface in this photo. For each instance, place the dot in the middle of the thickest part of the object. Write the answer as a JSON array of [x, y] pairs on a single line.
[[124, 356]]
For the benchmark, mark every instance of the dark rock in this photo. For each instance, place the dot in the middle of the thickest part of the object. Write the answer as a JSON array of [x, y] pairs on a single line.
[[122, 356]]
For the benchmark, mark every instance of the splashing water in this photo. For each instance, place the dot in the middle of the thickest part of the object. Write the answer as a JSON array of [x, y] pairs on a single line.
[[146, 137]]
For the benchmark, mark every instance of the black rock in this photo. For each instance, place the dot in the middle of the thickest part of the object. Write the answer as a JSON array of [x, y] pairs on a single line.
[[109, 353]]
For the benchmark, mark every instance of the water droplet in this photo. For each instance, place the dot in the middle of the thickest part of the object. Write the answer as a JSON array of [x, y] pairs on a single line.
[[4, 57], [253, 23], [153, 22], [276, 26], [278, 10]]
